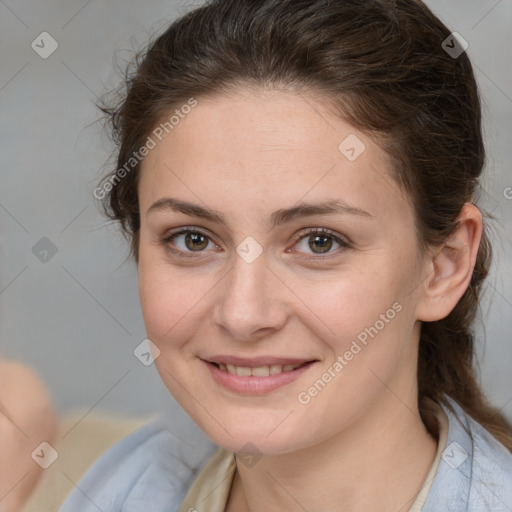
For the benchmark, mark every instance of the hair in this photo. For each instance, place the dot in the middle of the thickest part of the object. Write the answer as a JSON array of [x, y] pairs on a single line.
[[383, 64]]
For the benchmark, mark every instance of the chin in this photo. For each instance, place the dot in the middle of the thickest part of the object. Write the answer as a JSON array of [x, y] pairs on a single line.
[[252, 438]]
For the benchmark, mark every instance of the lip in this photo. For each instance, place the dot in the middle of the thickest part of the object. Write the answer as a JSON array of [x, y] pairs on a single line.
[[255, 386], [255, 362]]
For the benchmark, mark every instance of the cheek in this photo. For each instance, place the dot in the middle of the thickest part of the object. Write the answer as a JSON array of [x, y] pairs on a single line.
[[367, 325], [170, 301], [348, 303]]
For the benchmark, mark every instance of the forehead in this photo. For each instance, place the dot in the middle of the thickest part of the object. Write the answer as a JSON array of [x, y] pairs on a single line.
[[261, 148]]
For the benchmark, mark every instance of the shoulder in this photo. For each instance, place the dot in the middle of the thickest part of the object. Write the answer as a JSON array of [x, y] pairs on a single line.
[[491, 471], [475, 473], [152, 467]]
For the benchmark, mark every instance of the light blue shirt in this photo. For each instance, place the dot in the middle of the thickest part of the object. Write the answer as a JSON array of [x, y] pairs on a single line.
[[151, 470]]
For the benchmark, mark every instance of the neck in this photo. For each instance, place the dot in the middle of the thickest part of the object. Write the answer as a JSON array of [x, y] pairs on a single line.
[[377, 463]]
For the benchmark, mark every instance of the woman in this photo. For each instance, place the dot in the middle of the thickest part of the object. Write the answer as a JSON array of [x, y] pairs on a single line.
[[297, 180]]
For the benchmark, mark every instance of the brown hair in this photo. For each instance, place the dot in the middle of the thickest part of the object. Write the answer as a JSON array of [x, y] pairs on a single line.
[[383, 63]]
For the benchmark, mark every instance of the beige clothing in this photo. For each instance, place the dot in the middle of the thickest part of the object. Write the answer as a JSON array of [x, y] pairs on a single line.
[[210, 490], [441, 445]]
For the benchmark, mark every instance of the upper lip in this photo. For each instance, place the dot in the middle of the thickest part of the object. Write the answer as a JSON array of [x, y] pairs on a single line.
[[255, 362]]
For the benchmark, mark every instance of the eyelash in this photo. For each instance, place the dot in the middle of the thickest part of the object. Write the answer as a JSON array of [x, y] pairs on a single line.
[[168, 237]]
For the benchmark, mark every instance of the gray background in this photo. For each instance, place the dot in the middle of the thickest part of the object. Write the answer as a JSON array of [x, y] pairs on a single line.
[[76, 318]]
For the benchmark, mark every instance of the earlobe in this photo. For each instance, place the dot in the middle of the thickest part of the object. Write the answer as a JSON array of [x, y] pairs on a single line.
[[451, 267]]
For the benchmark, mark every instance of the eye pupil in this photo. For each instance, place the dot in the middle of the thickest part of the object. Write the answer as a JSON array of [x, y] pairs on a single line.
[[198, 240], [325, 247], [319, 242]]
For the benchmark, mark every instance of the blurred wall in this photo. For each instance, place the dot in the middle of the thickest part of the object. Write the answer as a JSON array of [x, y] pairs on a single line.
[[68, 295]]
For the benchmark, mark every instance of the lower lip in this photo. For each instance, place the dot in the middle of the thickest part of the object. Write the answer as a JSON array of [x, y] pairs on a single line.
[[255, 385]]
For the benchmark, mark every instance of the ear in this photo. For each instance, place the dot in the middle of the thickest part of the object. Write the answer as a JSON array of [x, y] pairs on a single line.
[[450, 267]]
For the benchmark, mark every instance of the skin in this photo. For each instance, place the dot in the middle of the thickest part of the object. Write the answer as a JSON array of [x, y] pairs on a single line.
[[360, 442], [27, 418]]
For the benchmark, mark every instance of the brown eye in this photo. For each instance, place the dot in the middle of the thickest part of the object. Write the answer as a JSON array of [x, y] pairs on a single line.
[[321, 242], [186, 241], [196, 241]]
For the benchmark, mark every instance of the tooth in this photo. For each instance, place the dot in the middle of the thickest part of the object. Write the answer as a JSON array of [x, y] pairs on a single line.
[[243, 371], [261, 371], [275, 369]]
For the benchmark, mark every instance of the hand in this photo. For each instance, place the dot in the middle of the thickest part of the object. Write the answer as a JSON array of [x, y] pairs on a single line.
[[27, 418]]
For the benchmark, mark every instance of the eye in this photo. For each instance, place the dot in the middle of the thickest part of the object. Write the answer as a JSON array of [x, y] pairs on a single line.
[[187, 240], [320, 241]]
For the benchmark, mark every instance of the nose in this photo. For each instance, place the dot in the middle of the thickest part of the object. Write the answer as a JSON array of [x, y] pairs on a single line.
[[252, 302]]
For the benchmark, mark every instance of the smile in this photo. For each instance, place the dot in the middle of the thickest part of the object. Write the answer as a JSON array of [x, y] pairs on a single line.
[[259, 371], [256, 380]]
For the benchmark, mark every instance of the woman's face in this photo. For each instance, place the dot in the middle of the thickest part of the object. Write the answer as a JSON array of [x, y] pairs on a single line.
[[250, 286]]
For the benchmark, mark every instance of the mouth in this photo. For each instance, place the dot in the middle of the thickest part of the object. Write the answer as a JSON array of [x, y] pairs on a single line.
[[258, 371], [257, 376]]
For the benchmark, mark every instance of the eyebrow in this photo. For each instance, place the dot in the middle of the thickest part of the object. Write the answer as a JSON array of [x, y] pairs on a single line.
[[277, 218]]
